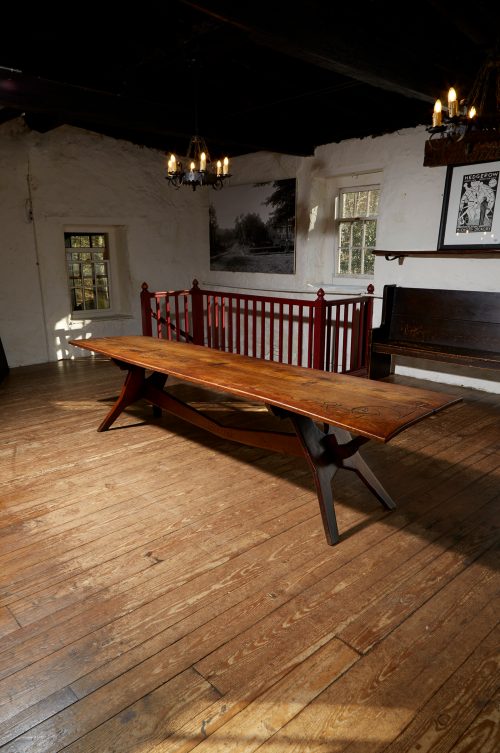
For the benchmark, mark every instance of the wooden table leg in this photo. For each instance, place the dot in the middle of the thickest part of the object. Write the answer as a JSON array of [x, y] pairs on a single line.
[[326, 453], [132, 390], [357, 464]]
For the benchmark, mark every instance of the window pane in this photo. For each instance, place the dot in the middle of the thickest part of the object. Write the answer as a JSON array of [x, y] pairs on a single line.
[[98, 241], [79, 241], [369, 263], [344, 262], [102, 299], [370, 233], [348, 204], [357, 233], [90, 300], [373, 202], [362, 205], [76, 299], [87, 270], [356, 261], [345, 233]]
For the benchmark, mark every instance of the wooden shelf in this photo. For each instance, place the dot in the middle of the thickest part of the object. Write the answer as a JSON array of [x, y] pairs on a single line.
[[481, 253]]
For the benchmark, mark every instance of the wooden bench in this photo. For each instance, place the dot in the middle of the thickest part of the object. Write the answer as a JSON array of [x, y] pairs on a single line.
[[342, 405], [453, 326]]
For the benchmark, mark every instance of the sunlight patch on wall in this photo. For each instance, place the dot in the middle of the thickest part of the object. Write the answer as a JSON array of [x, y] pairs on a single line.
[[65, 330], [313, 216]]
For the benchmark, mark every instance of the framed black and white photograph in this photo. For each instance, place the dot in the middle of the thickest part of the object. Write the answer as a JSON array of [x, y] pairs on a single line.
[[470, 218], [252, 228]]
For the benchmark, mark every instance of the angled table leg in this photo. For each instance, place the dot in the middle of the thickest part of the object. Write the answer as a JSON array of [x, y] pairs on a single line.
[[326, 453], [131, 391], [357, 464], [134, 388]]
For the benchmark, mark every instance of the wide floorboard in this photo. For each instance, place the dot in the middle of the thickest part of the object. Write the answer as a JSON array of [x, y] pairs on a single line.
[[163, 590]]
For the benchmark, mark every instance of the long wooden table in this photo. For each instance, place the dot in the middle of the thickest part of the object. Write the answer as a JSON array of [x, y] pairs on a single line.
[[332, 414]]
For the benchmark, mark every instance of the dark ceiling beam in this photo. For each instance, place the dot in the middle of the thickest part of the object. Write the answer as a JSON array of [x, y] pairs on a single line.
[[63, 101], [371, 73], [152, 124], [471, 25]]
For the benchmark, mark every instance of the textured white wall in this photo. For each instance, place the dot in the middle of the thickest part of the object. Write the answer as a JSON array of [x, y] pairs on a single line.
[[81, 179]]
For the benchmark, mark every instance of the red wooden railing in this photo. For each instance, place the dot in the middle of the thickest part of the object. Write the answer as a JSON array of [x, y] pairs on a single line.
[[329, 335]]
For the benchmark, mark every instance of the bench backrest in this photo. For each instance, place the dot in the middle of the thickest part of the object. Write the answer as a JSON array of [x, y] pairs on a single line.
[[457, 318]]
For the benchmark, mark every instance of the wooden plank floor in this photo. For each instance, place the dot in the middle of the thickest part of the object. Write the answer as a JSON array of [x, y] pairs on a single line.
[[164, 590]]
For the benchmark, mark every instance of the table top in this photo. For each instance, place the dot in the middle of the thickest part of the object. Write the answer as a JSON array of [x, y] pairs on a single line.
[[378, 410]]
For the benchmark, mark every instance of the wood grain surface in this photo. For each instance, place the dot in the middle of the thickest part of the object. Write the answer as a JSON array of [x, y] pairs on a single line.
[[377, 410]]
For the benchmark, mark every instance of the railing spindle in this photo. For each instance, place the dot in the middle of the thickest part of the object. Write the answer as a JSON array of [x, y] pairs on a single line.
[[271, 331], [344, 337], [290, 332]]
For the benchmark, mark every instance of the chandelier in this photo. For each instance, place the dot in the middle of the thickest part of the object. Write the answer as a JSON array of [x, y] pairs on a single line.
[[198, 169], [468, 130]]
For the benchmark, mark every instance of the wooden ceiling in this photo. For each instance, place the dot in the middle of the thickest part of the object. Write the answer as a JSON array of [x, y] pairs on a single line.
[[247, 76]]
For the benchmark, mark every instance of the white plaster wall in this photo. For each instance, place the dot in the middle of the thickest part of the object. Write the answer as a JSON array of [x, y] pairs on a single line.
[[78, 178], [21, 309]]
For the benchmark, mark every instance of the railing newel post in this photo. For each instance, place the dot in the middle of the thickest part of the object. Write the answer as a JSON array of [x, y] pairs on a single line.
[[197, 313], [368, 326], [146, 313], [319, 324]]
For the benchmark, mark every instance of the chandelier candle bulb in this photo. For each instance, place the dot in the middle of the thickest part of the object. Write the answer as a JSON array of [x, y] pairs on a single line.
[[472, 112], [452, 103], [437, 114], [219, 168], [203, 162], [225, 169]]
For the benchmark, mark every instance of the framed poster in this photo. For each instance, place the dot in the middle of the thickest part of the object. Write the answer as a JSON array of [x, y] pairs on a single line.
[[252, 228], [470, 219]]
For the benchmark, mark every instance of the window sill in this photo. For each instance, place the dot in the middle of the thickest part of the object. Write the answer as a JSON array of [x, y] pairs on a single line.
[[96, 317]]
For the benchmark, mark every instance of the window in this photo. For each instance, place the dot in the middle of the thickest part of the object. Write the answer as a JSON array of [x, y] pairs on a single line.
[[357, 211], [87, 259]]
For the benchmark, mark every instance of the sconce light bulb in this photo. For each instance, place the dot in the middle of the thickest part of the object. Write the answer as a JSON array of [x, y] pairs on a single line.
[[437, 115], [452, 103]]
